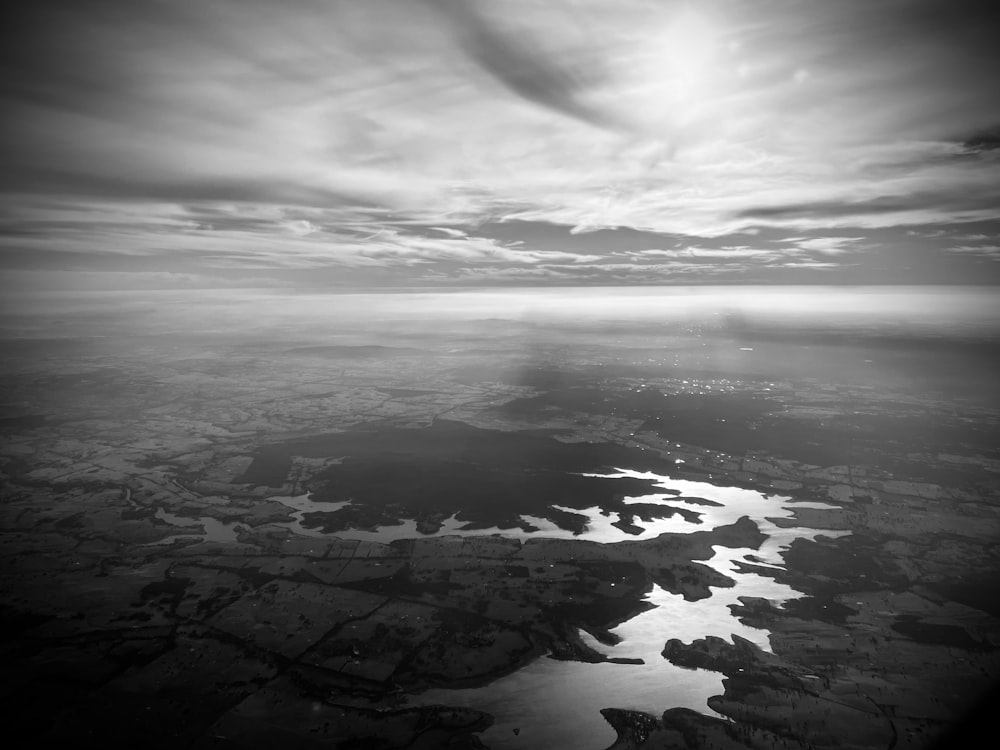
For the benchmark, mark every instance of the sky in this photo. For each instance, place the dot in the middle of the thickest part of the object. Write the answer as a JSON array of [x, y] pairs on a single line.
[[348, 144]]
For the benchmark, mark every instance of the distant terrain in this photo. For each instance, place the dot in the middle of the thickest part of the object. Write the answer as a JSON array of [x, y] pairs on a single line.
[[226, 540]]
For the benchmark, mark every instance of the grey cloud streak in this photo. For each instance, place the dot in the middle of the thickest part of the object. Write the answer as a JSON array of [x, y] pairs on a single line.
[[312, 130], [524, 67]]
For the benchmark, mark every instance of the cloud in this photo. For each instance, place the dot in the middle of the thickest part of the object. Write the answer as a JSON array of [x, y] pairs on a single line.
[[385, 134], [714, 253], [450, 232], [889, 211], [808, 264], [396, 247], [518, 61], [824, 245], [599, 274], [27, 281], [300, 227], [988, 141], [992, 252], [971, 237]]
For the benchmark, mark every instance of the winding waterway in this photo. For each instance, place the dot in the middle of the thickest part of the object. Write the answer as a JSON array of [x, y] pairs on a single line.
[[537, 699]]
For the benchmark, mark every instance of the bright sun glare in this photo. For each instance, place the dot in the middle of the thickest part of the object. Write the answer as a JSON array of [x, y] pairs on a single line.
[[684, 49], [677, 73]]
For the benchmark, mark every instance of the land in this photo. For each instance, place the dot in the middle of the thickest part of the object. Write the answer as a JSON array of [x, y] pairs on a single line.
[[121, 627]]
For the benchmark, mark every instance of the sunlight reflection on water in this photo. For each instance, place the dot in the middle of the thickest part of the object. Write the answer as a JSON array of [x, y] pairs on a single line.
[[538, 698], [557, 703]]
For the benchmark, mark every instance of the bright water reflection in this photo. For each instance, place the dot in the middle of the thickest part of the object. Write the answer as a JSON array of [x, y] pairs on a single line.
[[729, 504], [557, 703], [538, 699], [211, 529]]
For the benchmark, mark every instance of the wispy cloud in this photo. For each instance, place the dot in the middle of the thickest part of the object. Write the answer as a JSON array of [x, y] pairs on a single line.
[[808, 264], [606, 273], [991, 252], [714, 253], [971, 237], [517, 59], [383, 134], [824, 245]]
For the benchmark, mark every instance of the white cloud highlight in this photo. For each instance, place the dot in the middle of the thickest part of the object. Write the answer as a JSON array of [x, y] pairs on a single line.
[[383, 133]]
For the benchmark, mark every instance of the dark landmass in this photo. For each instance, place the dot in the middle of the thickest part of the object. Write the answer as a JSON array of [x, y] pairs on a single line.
[[26, 422], [125, 621], [484, 477], [741, 423]]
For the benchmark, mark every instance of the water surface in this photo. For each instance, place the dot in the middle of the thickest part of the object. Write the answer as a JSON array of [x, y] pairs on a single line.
[[557, 703]]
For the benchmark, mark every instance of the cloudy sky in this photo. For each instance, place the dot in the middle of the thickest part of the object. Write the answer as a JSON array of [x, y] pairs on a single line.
[[372, 143]]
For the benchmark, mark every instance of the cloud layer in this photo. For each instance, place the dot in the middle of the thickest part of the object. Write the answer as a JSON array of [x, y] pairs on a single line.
[[385, 141]]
